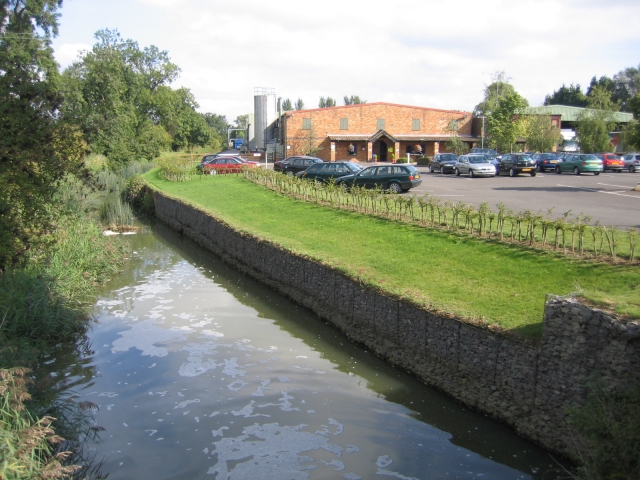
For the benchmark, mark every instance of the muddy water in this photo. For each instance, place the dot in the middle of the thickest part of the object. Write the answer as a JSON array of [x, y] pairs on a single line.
[[199, 372]]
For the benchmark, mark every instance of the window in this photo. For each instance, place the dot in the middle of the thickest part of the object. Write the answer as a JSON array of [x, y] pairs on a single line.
[[454, 125], [344, 124], [306, 124], [352, 150], [415, 124], [380, 124]]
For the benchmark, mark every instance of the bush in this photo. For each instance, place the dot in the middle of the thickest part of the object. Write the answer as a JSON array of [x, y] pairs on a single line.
[[424, 161], [402, 160]]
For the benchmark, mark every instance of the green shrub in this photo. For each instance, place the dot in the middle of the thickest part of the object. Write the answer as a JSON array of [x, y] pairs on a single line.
[[402, 160], [424, 161]]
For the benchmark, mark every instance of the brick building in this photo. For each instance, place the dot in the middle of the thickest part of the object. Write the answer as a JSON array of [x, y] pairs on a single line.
[[358, 132]]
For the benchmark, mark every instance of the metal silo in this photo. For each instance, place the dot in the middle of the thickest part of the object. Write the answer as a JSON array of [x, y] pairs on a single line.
[[263, 102]]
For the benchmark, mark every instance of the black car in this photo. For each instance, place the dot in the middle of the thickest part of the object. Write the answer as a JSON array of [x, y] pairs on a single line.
[[323, 172], [394, 178], [443, 163], [516, 163], [545, 161], [293, 165]]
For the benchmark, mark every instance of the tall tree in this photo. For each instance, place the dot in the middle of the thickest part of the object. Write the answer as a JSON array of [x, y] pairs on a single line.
[[493, 93], [36, 149], [627, 86], [595, 122], [571, 96], [631, 131], [218, 123], [286, 105], [504, 124], [353, 100], [540, 133], [299, 104], [325, 103]]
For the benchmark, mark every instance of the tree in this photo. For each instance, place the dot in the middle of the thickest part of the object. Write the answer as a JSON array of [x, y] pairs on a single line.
[[286, 105], [631, 132], [595, 122], [218, 123], [503, 123], [541, 134], [627, 86], [454, 144], [325, 103], [36, 148], [571, 96], [353, 100], [241, 121], [299, 104], [493, 93]]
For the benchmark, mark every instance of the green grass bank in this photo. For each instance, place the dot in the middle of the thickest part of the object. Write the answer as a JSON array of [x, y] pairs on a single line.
[[468, 277]]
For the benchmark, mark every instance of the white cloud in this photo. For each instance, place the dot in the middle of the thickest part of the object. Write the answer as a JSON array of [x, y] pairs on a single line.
[[426, 53], [67, 53]]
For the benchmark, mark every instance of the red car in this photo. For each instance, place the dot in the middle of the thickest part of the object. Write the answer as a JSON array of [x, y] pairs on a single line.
[[213, 165], [611, 161]]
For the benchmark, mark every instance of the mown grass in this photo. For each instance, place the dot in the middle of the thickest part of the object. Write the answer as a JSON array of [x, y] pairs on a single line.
[[472, 278]]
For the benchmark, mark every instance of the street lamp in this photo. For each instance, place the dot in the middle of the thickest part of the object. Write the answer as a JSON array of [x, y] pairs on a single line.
[[483, 117]]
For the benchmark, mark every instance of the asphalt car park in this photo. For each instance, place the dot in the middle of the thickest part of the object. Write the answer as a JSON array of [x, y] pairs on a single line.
[[608, 198]]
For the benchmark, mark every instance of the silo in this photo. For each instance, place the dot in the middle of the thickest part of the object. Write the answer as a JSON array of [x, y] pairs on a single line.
[[263, 102]]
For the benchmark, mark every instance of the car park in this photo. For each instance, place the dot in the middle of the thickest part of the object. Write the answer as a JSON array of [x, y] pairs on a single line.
[[631, 162], [474, 166], [293, 165], [517, 163], [325, 171], [443, 163], [213, 165], [395, 178], [580, 163], [545, 161], [611, 161]]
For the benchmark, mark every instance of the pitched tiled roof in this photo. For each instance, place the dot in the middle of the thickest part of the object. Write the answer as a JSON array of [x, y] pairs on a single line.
[[399, 138]]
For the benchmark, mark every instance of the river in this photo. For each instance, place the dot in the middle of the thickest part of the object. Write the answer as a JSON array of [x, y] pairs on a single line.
[[200, 372]]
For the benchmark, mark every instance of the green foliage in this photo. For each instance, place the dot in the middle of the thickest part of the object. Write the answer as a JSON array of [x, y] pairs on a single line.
[[353, 100], [218, 123], [540, 133], [299, 104], [424, 161], [605, 433], [571, 96], [325, 103], [631, 131], [592, 129], [493, 94], [286, 105], [503, 124]]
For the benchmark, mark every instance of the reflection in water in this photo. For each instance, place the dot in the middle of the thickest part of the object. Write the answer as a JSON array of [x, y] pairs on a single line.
[[200, 372]]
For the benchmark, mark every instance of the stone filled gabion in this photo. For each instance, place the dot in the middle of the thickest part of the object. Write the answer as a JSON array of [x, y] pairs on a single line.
[[529, 387]]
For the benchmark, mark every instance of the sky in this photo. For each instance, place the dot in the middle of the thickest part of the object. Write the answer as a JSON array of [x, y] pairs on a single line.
[[421, 52]]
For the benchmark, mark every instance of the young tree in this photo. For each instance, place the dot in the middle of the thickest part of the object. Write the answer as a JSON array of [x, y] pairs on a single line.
[[541, 134], [503, 123], [325, 103], [454, 143], [286, 105], [299, 104]]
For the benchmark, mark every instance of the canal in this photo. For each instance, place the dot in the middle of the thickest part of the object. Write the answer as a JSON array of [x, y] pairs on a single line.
[[200, 372]]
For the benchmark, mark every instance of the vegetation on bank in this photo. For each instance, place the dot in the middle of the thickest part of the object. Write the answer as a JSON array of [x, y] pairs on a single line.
[[478, 279]]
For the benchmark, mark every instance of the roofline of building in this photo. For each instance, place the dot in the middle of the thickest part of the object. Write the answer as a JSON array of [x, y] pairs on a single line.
[[378, 103]]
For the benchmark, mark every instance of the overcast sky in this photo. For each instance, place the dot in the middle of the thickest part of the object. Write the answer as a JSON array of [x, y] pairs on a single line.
[[420, 52]]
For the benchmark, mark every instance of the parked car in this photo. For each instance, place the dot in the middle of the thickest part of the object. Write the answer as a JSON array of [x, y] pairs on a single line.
[[325, 171], [545, 161], [293, 165], [444, 163], [517, 163], [631, 162], [474, 165], [580, 163], [485, 151], [213, 165], [395, 178], [611, 161]]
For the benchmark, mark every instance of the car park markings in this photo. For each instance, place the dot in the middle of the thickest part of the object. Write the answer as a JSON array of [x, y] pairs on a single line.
[[609, 185], [599, 191]]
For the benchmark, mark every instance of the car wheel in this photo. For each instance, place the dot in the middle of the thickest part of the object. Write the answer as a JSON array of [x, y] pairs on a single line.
[[558, 171], [576, 171], [632, 169], [596, 173], [533, 173], [213, 172], [457, 172], [512, 172], [394, 187], [471, 174], [618, 171], [540, 169], [431, 169]]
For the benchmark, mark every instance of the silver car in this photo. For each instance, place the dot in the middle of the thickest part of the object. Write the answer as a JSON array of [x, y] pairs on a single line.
[[631, 162], [475, 166]]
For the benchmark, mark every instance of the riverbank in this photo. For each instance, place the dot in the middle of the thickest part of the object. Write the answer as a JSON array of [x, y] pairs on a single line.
[[526, 386]]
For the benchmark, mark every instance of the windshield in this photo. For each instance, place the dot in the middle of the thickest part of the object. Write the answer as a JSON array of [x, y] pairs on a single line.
[[588, 157], [549, 156], [448, 157], [478, 160], [353, 167]]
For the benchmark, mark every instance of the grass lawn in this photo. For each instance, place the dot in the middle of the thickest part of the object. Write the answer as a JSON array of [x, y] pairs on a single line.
[[465, 276]]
